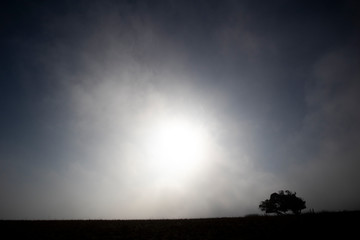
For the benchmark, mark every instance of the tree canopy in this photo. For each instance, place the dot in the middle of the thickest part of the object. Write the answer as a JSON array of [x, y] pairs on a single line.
[[282, 202]]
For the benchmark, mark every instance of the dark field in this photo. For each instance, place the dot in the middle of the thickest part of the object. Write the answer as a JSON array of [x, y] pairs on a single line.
[[307, 226]]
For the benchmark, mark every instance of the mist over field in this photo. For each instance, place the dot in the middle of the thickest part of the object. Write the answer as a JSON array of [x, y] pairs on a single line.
[[177, 109]]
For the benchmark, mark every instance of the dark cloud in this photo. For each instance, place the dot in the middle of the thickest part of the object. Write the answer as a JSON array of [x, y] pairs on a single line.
[[330, 130]]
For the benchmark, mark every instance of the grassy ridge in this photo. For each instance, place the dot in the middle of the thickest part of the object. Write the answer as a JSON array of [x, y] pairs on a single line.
[[319, 225]]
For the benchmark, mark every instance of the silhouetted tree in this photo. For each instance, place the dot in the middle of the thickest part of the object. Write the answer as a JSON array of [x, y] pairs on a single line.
[[281, 202]]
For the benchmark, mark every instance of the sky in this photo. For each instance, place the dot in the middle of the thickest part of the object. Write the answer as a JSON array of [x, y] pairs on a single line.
[[177, 109]]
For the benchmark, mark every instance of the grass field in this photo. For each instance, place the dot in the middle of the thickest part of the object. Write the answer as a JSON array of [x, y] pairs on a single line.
[[307, 226]]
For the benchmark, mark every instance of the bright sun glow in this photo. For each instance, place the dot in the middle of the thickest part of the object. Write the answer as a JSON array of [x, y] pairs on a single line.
[[176, 148]]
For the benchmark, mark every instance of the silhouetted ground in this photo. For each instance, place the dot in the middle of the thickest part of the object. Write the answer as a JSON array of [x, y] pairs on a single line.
[[316, 225]]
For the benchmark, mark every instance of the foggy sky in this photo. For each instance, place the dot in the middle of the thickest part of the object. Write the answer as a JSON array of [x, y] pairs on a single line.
[[275, 83]]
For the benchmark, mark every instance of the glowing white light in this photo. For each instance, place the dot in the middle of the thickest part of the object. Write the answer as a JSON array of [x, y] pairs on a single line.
[[176, 148]]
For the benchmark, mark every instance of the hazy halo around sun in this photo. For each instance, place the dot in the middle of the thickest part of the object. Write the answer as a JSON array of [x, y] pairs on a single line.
[[176, 148]]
